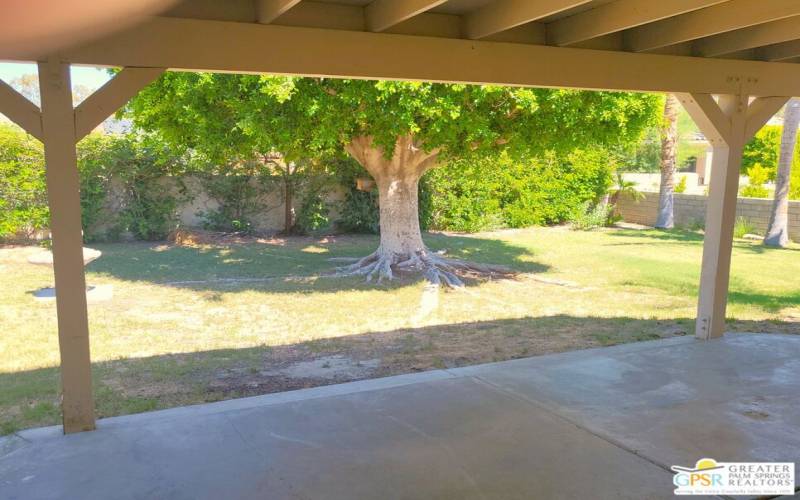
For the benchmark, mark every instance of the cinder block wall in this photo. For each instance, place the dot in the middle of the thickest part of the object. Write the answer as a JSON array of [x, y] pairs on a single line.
[[691, 210]]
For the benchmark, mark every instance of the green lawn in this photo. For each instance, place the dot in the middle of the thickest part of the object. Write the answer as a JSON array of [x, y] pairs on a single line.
[[209, 322]]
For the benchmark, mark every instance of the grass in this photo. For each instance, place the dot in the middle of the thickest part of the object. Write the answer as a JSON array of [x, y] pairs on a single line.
[[181, 329]]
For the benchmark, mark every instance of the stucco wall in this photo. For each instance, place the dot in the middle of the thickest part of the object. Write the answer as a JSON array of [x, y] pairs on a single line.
[[691, 209]]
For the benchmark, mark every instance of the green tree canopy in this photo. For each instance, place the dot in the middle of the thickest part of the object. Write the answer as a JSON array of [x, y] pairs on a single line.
[[396, 130]]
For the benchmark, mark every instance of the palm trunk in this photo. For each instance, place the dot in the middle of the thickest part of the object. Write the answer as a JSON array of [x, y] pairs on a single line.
[[778, 229], [669, 146]]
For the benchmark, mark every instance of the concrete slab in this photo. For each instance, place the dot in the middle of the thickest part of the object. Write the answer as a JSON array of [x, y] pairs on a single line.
[[732, 399], [598, 424]]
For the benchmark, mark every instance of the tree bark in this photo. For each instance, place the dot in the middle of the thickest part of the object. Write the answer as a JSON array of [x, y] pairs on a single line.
[[401, 246], [669, 146], [778, 229], [288, 212]]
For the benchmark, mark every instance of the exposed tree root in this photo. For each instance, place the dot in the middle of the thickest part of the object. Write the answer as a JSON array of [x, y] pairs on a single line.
[[437, 269]]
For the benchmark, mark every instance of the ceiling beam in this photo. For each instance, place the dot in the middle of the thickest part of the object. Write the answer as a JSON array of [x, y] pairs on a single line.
[[506, 14], [254, 48], [759, 35], [269, 10], [383, 14], [779, 51], [728, 16], [617, 16]]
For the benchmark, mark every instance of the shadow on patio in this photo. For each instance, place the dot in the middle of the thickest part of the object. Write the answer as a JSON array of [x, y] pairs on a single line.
[[598, 423]]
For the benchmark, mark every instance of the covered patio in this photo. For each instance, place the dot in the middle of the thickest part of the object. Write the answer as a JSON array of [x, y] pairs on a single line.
[[602, 423]]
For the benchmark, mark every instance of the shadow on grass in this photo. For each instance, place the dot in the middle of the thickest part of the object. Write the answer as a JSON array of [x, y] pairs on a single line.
[[217, 267], [132, 385]]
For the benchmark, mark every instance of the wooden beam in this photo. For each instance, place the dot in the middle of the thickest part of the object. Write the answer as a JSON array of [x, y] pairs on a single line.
[[728, 16], [736, 120], [253, 48], [708, 116], [110, 97], [759, 35], [63, 196], [720, 220], [269, 10], [506, 14], [383, 14], [760, 112], [780, 51], [617, 16], [20, 110]]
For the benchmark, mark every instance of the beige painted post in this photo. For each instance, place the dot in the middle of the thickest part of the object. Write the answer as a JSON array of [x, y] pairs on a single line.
[[58, 132], [720, 220], [727, 125]]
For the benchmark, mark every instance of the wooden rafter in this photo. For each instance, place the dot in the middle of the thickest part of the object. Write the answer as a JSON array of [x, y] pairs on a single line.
[[506, 14], [383, 14], [779, 31], [269, 10], [721, 18], [617, 16]]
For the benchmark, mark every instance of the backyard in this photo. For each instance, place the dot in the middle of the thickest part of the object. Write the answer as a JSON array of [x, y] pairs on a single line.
[[209, 320]]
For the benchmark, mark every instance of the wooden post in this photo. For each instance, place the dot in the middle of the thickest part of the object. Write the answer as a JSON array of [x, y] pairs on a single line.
[[63, 194], [727, 125]]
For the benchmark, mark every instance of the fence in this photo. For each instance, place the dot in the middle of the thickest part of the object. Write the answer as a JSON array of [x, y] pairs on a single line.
[[690, 210]]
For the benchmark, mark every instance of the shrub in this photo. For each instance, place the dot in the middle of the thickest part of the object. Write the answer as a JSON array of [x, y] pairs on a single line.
[[313, 213], [743, 226], [591, 216], [23, 193], [758, 175], [680, 187], [479, 194]]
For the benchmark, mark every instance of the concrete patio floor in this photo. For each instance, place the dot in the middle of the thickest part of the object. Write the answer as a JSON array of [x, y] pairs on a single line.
[[600, 423]]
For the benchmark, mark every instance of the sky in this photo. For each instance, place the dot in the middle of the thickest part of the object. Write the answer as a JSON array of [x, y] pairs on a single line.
[[90, 77]]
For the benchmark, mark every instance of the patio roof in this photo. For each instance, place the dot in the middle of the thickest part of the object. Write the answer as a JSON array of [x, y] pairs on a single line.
[[708, 46], [733, 64]]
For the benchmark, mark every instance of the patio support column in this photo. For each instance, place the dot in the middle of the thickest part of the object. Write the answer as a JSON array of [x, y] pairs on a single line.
[[63, 195], [728, 124]]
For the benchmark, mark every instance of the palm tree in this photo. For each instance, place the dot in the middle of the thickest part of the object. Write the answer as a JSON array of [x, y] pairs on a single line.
[[778, 229], [622, 189], [669, 146]]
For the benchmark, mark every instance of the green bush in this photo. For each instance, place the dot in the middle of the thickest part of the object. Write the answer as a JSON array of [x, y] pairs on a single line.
[[133, 171], [680, 187], [591, 216], [758, 175], [480, 194], [743, 226], [313, 214], [23, 193]]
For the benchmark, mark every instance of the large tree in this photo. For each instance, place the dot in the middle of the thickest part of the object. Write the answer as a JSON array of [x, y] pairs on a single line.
[[669, 148], [396, 130], [778, 229]]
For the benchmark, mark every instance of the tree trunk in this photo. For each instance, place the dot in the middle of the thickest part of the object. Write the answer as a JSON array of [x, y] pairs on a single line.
[[778, 229], [288, 213], [669, 146], [401, 246]]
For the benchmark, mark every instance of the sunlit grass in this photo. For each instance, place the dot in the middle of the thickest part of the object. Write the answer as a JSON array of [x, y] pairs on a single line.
[[179, 318]]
